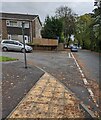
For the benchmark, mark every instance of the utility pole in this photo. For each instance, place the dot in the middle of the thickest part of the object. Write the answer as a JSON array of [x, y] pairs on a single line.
[[24, 44]]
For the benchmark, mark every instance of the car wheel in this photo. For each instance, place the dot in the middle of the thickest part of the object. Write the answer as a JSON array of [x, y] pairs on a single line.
[[23, 50], [4, 49]]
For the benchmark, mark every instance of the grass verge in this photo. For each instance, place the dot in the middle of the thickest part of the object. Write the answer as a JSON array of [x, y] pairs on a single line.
[[4, 59]]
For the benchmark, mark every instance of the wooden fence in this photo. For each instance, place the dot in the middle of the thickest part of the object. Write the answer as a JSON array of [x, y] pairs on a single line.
[[45, 42]]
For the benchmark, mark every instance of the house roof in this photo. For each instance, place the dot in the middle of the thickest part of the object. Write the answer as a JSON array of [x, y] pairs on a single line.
[[18, 16]]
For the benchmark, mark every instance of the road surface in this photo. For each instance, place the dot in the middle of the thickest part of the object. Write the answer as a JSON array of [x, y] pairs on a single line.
[[89, 63], [63, 67]]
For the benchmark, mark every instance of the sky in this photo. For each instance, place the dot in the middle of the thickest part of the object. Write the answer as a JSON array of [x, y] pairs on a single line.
[[44, 8]]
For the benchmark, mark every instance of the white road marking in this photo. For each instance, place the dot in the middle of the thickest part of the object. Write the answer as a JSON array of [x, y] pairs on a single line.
[[80, 71], [97, 105], [79, 68], [85, 80], [69, 55], [72, 56], [77, 65], [90, 91], [82, 75]]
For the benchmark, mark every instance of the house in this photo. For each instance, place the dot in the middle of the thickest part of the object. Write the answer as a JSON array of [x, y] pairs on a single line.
[[11, 26]]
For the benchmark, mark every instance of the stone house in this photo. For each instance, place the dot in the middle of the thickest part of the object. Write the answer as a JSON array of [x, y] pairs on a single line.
[[11, 26]]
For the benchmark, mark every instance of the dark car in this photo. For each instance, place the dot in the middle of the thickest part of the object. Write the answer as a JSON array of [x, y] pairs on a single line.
[[74, 49]]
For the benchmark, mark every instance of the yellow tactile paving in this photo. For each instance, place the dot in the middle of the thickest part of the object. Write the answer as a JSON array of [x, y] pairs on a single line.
[[48, 99], [47, 94]]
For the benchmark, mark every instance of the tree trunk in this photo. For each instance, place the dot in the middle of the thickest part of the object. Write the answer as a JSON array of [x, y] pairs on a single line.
[[68, 41]]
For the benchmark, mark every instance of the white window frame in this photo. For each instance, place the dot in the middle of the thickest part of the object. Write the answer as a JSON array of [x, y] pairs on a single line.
[[12, 23], [9, 36], [26, 25], [7, 23]]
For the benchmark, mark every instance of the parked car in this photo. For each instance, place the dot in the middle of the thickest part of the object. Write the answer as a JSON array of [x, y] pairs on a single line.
[[74, 49], [14, 45]]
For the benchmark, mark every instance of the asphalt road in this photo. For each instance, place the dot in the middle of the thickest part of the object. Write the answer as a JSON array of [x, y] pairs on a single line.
[[63, 67], [89, 63]]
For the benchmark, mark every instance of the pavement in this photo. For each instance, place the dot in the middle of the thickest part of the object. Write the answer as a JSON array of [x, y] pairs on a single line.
[[46, 97], [16, 83]]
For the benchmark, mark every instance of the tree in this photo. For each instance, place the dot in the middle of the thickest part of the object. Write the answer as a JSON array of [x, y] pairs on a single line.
[[84, 30], [66, 15], [97, 24], [52, 28]]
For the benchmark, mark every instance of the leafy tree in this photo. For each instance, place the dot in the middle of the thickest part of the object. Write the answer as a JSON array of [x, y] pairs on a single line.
[[97, 25], [52, 28], [83, 30], [66, 15]]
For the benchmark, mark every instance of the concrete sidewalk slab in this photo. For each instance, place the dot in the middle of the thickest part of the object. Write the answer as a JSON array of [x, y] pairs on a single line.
[[48, 99]]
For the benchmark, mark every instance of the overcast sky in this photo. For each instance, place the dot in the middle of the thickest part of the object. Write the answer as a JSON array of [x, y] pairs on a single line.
[[43, 8]]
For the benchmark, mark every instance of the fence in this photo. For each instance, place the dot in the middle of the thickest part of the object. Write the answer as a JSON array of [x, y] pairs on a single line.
[[45, 42]]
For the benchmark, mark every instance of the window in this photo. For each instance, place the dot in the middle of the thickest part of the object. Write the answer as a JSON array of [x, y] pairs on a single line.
[[5, 41], [19, 23], [8, 42], [7, 23], [9, 36], [20, 44], [15, 23], [26, 24], [25, 38], [11, 23], [16, 43]]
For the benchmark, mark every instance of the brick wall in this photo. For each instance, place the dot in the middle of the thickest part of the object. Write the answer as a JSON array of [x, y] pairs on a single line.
[[38, 28], [0, 26], [0, 29], [4, 30], [33, 28]]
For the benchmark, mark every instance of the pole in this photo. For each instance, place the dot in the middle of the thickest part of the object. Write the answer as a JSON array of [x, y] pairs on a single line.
[[24, 45]]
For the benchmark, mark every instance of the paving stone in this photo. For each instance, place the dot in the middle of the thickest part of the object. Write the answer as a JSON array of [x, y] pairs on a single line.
[[48, 99], [43, 107], [57, 101], [49, 89], [43, 100], [47, 94]]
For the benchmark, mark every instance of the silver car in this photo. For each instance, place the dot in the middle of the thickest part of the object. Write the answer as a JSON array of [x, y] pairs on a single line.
[[14, 45]]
